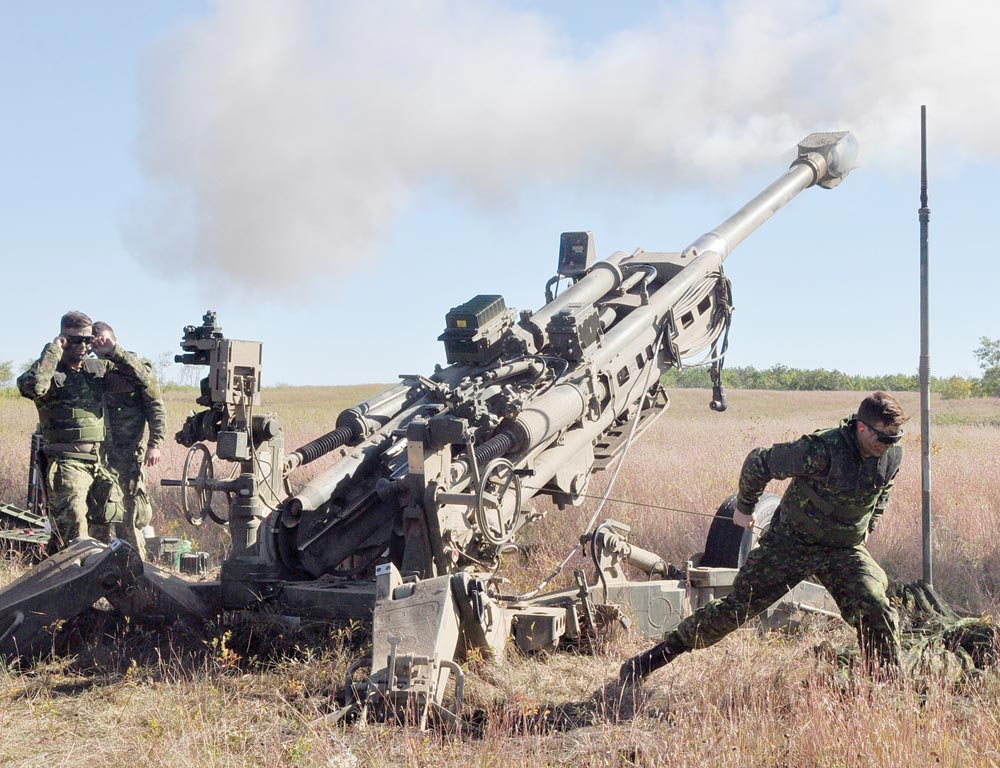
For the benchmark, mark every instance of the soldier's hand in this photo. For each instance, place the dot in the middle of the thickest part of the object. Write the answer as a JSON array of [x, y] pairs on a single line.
[[152, 457], [60, 341], [103, 346], [742, 520]]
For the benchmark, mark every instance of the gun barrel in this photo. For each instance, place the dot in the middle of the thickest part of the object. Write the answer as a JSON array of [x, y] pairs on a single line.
[[824, 159]]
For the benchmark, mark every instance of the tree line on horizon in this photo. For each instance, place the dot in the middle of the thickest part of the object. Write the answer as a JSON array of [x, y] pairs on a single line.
[[784, 378]]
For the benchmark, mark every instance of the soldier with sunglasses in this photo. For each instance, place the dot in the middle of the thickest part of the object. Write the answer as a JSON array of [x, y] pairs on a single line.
[[841, 479], [68, 389]]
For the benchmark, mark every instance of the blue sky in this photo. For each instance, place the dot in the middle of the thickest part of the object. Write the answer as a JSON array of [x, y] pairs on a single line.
[[332, 178]]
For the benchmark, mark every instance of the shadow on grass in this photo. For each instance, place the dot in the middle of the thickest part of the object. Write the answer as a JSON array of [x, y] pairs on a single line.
[[612, 704], [102, 647]]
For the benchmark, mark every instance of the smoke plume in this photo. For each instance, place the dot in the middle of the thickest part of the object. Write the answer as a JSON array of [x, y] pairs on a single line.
[[283, 138]]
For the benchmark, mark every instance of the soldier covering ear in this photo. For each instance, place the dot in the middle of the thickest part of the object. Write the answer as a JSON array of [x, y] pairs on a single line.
[[68, 390], [132, 403]]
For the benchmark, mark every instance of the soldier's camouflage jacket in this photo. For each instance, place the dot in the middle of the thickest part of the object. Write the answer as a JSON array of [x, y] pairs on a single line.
[[131, 405], [71, 403], [836, 495]]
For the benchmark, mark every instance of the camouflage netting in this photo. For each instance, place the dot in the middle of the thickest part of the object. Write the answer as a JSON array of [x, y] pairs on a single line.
[[935, 638]]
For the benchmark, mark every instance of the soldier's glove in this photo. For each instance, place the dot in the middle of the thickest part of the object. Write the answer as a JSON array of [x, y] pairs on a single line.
[[743, 516]]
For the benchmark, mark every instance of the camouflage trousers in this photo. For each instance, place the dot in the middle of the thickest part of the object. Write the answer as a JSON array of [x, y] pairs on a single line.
[[127, 465], [856, 582], [83, 499]]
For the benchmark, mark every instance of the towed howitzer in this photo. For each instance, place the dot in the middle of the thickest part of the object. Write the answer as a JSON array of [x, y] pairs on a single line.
[[438, 472]]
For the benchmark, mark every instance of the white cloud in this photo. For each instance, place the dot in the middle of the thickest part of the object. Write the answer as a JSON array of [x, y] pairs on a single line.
[[284, 137]]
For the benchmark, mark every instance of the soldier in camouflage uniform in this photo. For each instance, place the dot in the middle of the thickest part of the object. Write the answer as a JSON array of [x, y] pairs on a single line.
[[68, 389], [840, 486], [130, 406]]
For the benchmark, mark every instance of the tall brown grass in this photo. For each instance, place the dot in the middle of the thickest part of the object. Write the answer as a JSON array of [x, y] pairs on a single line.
[[751, 700]]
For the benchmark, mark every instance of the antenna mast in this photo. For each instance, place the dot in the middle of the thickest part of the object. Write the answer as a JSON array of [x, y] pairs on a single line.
[[925, 360]]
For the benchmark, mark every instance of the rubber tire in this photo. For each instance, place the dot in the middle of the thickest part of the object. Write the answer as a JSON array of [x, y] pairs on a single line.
[[727, 545], [722, 546]]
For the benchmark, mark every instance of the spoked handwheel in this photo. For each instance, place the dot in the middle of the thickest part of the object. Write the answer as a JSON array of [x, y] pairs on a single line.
[[498, 502], [202, 484]]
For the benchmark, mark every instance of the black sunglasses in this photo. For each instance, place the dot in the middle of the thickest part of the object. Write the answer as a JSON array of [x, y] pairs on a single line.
[[80, 339], [885, 437]]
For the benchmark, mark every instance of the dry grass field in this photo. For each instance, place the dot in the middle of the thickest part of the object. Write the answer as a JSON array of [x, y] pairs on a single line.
[[752, 700]]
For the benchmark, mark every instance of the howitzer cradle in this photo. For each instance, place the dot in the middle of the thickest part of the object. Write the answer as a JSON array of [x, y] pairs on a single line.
[[408, 527]]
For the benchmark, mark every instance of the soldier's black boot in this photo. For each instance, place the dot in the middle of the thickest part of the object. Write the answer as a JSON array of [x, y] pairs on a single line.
[[636, 668]]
